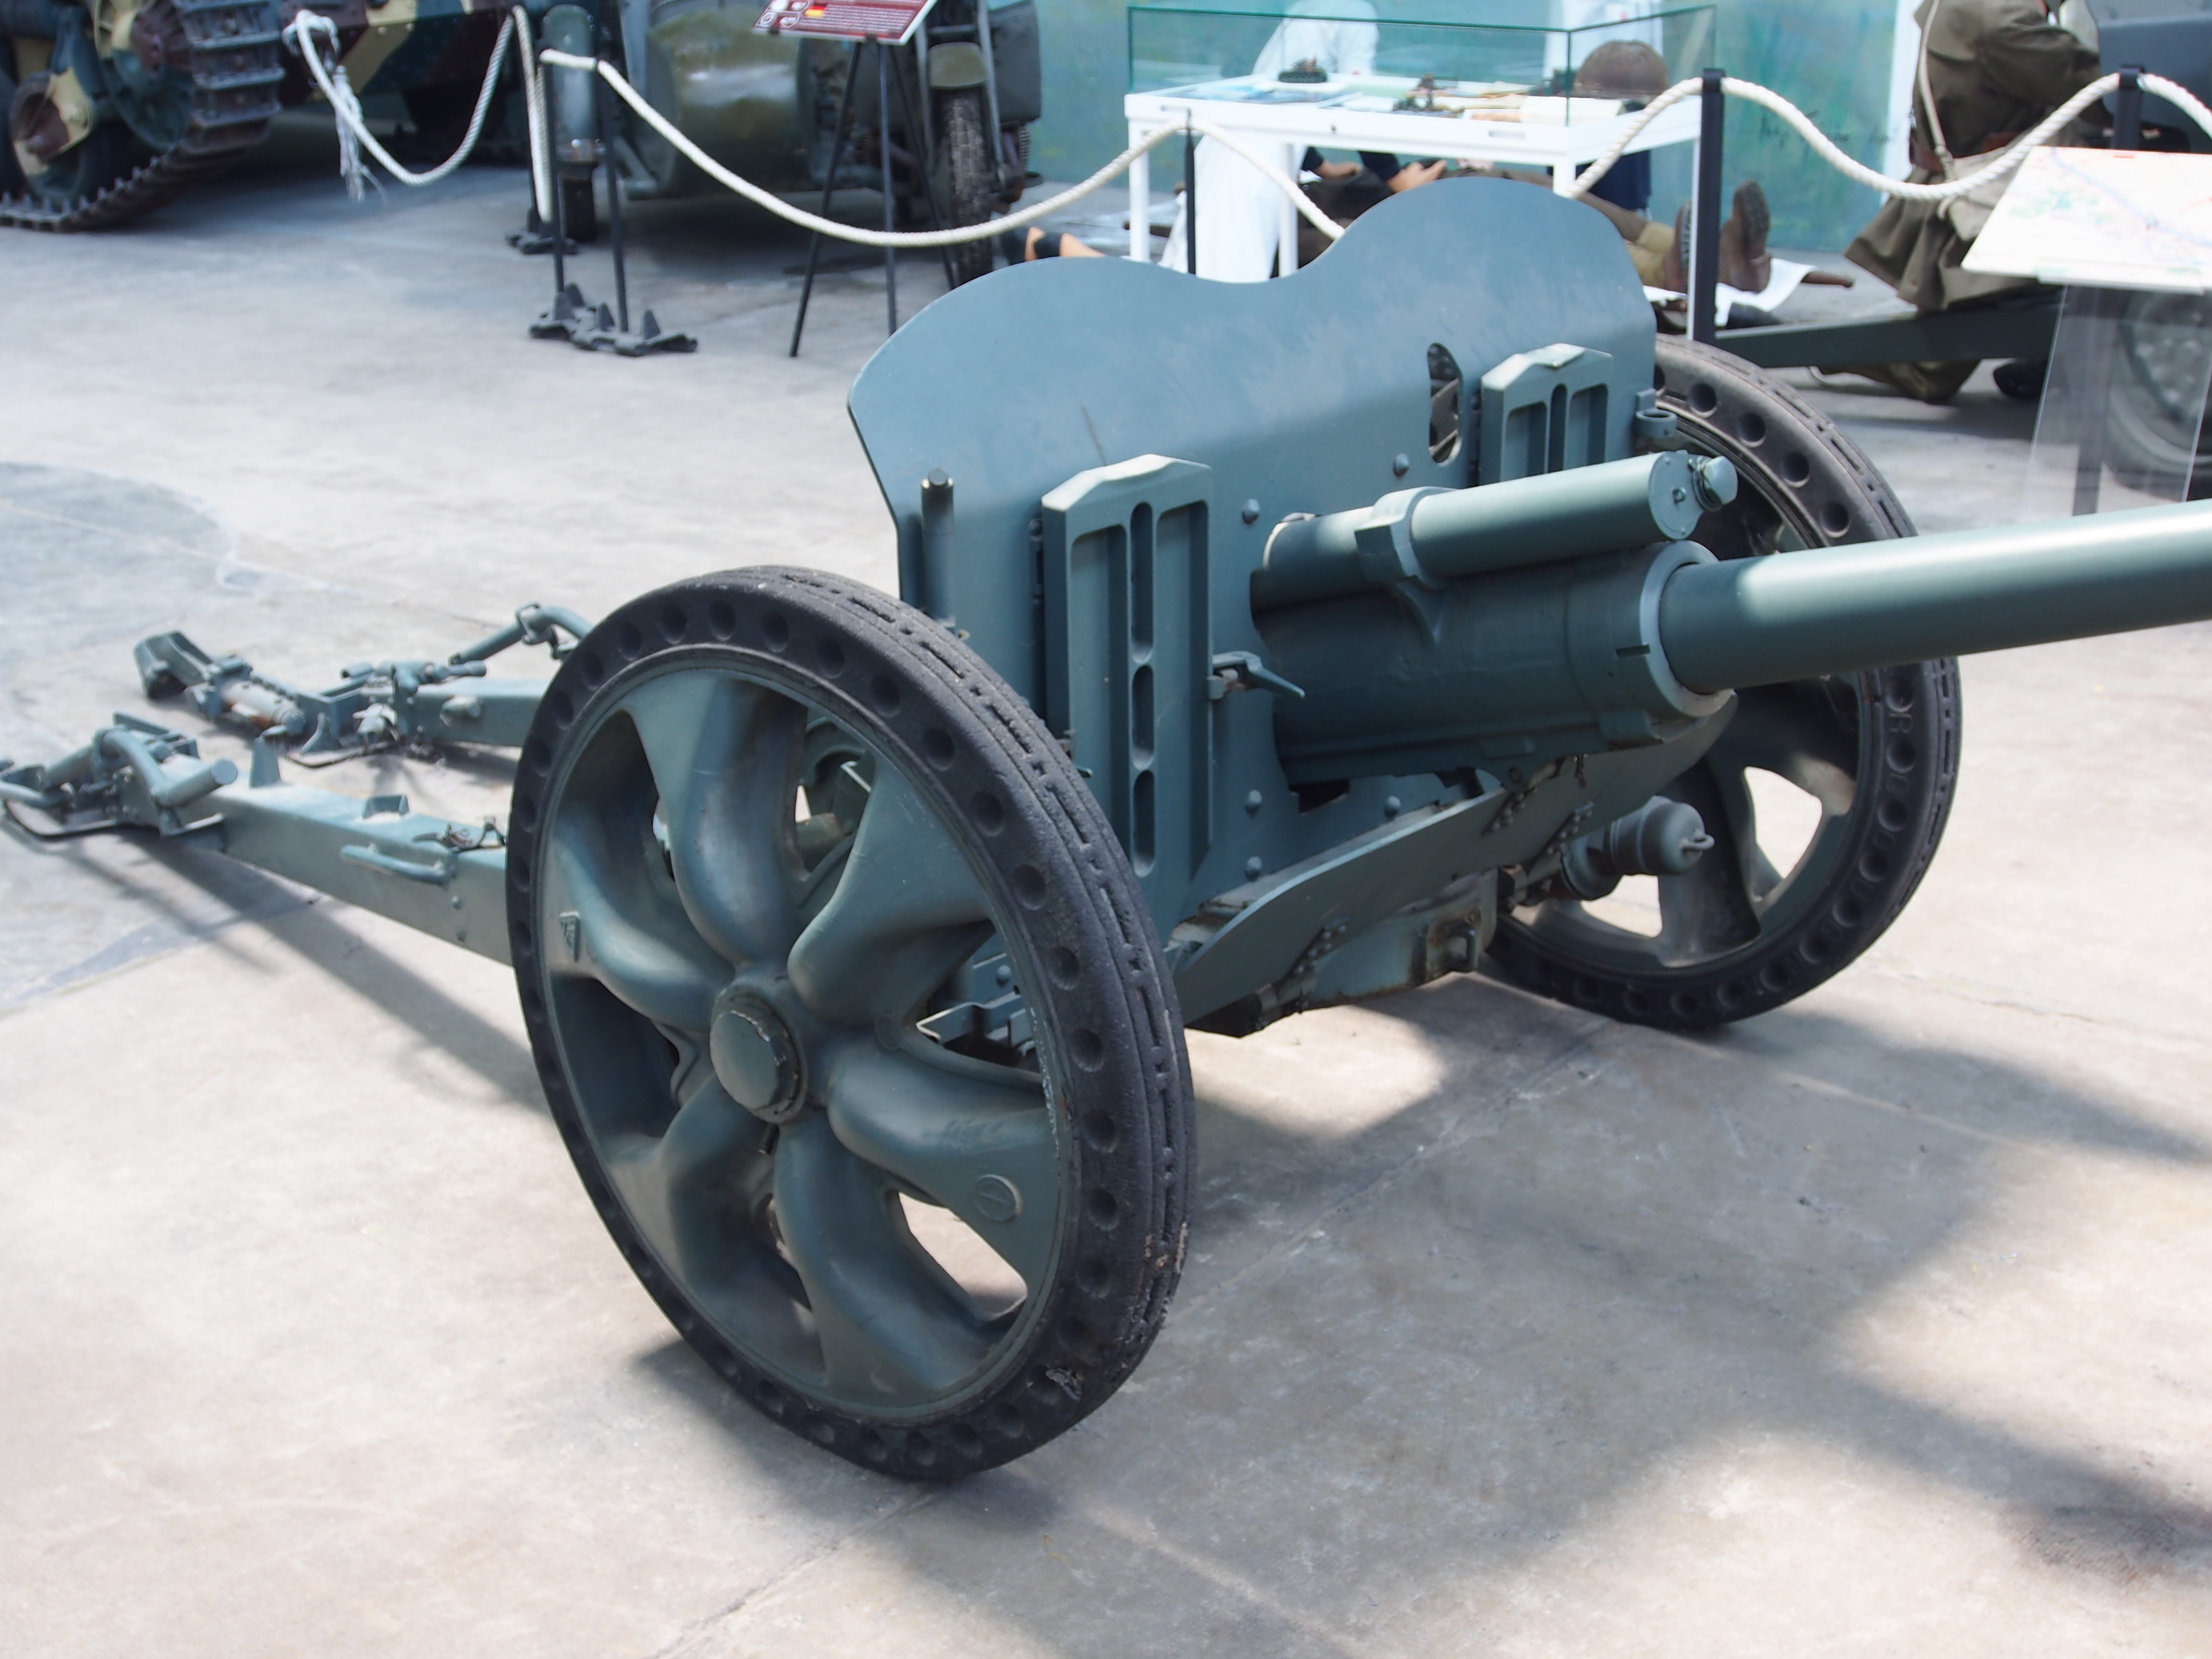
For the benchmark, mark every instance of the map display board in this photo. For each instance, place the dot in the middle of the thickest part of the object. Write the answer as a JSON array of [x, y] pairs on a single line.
[[893, 21], [2099, 218]]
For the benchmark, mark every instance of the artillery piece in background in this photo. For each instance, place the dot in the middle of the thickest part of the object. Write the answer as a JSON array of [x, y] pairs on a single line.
[[114, 107], [855, 936]]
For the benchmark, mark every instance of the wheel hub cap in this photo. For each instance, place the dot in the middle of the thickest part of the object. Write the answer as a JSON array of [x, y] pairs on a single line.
[[756, 1058]]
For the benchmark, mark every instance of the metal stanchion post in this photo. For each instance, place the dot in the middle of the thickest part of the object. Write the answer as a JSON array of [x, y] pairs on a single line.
[[1705, 216], [1190, 197], [2126, 109], [606, 106], [560, 213], [883, 151]]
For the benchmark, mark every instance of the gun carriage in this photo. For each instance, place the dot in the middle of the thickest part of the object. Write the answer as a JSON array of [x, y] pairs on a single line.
[[1340, 633]]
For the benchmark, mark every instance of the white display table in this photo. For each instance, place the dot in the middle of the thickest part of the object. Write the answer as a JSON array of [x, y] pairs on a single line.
[[1353, 114]]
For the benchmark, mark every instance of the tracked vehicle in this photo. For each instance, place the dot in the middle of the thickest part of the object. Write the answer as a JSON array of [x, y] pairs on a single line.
[[114, 109]]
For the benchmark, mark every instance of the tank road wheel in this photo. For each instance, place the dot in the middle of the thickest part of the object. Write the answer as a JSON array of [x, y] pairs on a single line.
[[852, 1018], [57, 174], [1868, 760], [967, 168], [11, 170], [179, 94]]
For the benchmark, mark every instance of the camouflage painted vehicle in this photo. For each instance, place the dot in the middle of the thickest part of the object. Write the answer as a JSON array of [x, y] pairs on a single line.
[[768, 105], [117, 106]]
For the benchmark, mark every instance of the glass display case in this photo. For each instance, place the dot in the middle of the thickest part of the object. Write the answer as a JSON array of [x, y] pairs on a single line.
[[1541, 86], [1439, 56]]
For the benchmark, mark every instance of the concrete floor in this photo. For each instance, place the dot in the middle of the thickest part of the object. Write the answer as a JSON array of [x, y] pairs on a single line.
[[1876, 1325]]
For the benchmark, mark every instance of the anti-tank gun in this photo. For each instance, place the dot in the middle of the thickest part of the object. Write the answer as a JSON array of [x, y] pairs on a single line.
[[1273, 662]]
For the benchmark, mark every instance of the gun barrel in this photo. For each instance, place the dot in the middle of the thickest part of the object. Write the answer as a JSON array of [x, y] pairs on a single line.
[[1440, 535], [1757, 622]]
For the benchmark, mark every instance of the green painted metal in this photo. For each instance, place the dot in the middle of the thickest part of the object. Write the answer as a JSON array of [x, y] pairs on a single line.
[[1757, 622], [375, 706], [742, 1031], [442, 878], [1433, 536], [837, 920], [1998, 332], [1127, 587], [1245, 945]]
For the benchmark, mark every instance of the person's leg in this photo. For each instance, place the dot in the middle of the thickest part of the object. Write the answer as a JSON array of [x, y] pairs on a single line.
[[1021, 247], [1745, 262], [1650, 246], [1651, 251], [1631, 225]]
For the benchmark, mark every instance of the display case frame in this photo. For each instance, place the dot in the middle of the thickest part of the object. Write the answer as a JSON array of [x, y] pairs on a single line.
[[1538, 125]]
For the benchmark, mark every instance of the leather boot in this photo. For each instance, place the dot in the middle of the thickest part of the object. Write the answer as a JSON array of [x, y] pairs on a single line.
[[1744, 262]]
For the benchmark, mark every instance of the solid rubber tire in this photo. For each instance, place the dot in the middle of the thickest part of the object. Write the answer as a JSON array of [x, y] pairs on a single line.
[[1824, 487], [1091, 969]]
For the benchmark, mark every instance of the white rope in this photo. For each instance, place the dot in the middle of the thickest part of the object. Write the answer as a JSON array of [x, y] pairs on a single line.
[[348, 106], [353, 128], [1028, 215], [1828, 151], [533, 100]]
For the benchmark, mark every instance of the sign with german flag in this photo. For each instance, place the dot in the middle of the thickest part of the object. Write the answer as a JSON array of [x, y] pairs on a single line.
[[894, 21]]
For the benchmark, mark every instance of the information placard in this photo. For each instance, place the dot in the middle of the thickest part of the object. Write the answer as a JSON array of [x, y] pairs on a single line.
[[894, 21], [2103, 218]]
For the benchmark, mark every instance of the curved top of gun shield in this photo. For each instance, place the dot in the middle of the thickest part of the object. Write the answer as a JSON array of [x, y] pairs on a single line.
[[1312, 393]]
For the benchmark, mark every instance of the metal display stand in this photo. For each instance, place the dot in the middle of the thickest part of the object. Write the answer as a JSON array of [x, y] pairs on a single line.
[[887, 78]]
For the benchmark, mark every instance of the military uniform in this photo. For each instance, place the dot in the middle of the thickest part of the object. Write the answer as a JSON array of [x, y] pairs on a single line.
[[1996, 67]]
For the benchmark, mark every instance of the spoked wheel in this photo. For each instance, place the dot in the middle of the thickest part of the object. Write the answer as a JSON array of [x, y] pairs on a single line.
[[1824, 798], [852, 1016]]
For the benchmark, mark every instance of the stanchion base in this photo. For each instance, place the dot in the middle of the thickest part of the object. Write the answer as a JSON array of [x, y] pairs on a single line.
[[535, 236], [591, 328], [600, 334], [570, 311]]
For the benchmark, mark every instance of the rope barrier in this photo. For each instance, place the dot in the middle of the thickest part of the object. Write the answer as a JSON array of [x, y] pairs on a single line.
[[343, 100], [1829, 151], [533, 102], [921, 239], [348, 108]]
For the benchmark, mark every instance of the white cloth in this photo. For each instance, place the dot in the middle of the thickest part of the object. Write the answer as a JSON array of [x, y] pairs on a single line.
[[1240, 220], [1240, 213]]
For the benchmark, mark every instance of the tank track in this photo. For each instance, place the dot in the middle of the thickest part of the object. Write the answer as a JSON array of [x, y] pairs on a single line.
[[236, 68]]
